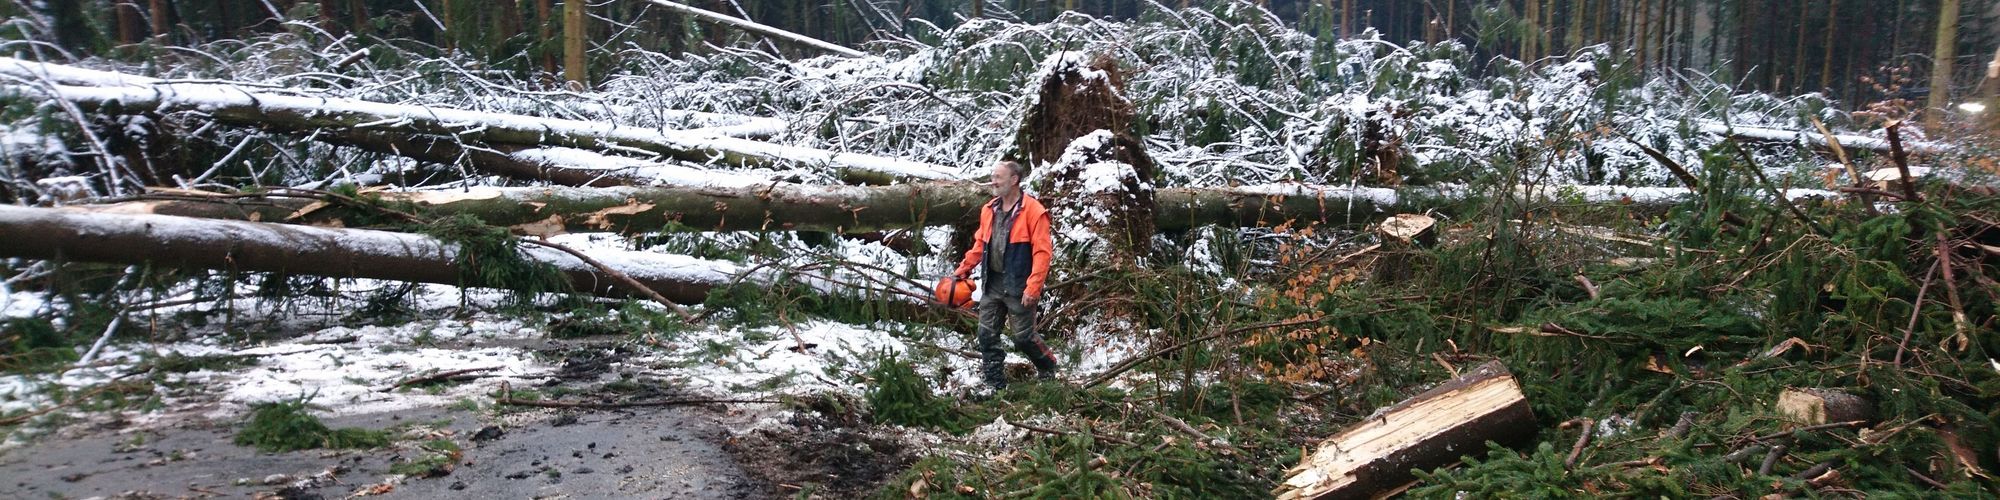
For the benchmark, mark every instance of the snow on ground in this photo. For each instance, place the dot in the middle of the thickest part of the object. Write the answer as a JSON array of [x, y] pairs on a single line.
[[767, 360]]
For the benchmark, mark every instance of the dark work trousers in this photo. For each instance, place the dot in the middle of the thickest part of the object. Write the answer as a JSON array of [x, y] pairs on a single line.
[[1001, 306]]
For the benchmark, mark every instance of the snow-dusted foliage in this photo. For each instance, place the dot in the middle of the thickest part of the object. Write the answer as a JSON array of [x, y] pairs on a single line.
[[1224, 95]]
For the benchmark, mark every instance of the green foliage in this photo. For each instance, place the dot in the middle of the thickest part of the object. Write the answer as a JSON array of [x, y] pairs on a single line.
[[899, 395], [33, 344], [288, 425], [588, 319], [487, 256], [438, 458]]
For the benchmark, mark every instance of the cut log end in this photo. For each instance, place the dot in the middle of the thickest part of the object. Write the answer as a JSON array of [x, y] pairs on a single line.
[[1815, 406], [1430, 430]]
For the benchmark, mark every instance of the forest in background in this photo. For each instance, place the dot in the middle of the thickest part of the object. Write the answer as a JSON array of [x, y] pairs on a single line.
[[1851, 50]]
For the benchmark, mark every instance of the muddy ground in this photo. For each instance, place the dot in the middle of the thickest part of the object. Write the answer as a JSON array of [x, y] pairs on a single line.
[[710, 451]]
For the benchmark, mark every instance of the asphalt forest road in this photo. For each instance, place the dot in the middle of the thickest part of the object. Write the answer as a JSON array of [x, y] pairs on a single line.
[[645, 453]]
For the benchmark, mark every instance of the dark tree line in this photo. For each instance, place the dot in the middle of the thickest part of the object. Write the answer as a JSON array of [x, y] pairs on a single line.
[[1854, 50]]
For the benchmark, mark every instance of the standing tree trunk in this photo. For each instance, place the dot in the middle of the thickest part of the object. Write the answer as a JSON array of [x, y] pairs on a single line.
[[576, 68], [129, 20], [1799, 48], [357, 12], [1941, 57], [1643, 25], [1533, 32], [1576, 13], [448, 34], [510, 24], [1346, 18], [160, 17], [1826, 53], [545, 33]]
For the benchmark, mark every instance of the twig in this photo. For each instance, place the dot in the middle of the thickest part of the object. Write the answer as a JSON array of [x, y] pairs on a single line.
[[1123, 366], [1182, 425], [1902, 160], [1582, 440], [1776, 195], [1871, 191], [1838, 152], [1682, 426], [1958, 320], [1045, 430], [1679, 171], [1811, 428], [1771, 459], [620, 277], [65, 404], [435, 377], [1588, 287], [1915, 308], [1815, 471], [508, 399], [1926, 479]]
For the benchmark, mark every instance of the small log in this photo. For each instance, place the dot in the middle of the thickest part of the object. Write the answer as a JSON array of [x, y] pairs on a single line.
[[1430, 430], [1815, 406]]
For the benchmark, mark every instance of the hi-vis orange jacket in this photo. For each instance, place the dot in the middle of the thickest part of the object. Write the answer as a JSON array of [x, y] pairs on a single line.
[[1029, 247]]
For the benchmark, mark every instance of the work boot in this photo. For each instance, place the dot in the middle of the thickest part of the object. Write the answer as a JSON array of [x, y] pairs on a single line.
[[1045, 374]]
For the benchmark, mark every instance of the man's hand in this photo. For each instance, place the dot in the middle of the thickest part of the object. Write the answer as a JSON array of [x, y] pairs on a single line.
[[1031, 300]]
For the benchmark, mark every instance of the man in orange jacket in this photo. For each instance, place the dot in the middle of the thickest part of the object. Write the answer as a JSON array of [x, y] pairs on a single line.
[[1014, 248]]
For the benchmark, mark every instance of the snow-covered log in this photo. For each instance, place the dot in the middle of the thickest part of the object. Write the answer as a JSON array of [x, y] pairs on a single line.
[[753, 27], [44, 233], [247, 106], [546, 210], [1812, 137], [780, 206], [559, 165]]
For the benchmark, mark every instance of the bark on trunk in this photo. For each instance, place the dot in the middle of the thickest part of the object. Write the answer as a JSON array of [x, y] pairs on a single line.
[[1942, 57], [576, 67], [853, 209], [44, 233], [1430, 430]]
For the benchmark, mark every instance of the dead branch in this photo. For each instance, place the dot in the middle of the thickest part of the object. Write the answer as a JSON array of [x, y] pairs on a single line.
[[437, 377], [506, 397], [1128, 364], [619, 276]]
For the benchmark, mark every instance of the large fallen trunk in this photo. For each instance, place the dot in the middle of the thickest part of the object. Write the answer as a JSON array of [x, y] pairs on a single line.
[[1433, 429], [558, 165], [45, 233], [42, 233], [248, 106], [1768, 134], [782, 206]]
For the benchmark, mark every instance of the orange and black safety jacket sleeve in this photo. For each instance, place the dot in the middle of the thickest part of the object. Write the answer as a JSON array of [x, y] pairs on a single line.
[[1030, 230]]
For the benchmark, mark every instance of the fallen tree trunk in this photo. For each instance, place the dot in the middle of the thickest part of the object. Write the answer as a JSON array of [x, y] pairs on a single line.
[[782, 206], [56, 234], [564, 166], [1430, 430], [45, 233], [1768, 134], [238, 105]]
